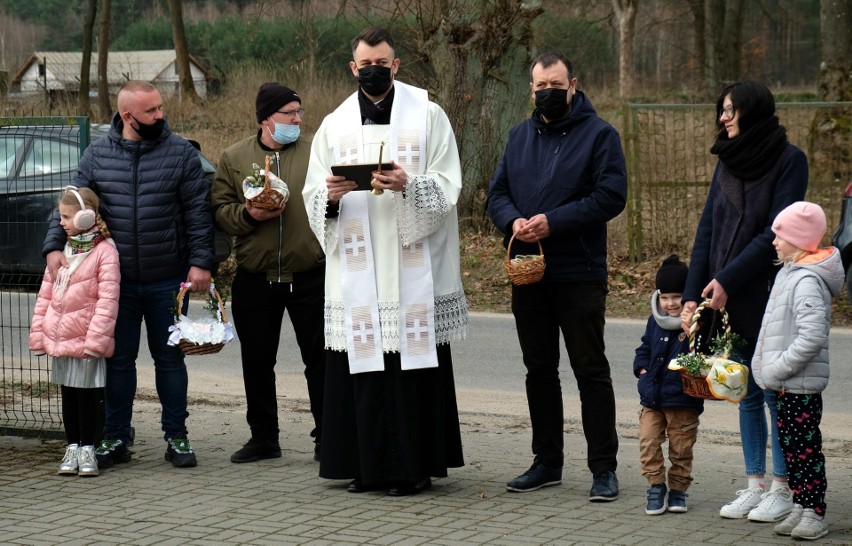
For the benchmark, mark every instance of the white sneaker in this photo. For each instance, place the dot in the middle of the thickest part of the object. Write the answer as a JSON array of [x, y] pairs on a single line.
[[811, 526], [774, 506], [68, 466], [88, 461], [786, 527], [745, 501]]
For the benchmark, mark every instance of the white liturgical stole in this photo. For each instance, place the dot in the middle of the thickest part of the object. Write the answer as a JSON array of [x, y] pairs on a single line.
[[370, 256]]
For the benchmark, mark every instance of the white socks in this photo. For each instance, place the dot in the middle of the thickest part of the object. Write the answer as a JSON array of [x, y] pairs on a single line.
[[776, 485], [757, 483]]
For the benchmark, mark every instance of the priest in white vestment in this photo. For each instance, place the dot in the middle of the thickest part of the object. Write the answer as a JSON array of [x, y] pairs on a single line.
[[393, 293]]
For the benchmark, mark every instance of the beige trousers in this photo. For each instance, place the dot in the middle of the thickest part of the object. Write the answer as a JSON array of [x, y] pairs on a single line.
[[680, 425]]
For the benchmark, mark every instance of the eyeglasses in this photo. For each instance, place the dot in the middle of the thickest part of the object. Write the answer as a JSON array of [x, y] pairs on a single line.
[[728, 112], [291, 113]]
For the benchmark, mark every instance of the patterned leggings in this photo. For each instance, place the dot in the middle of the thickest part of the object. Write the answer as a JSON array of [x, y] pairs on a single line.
[[799, 416]]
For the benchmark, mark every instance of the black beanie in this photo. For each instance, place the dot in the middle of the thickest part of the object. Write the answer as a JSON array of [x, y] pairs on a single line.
[[270, 97], [671, 277]]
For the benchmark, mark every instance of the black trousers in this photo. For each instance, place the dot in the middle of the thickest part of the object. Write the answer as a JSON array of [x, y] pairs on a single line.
[[258, 308], [577, 309]]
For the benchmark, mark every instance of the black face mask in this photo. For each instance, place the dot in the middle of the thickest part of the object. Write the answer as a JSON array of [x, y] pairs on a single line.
[[552, 103], [149, 131], [374, 79]]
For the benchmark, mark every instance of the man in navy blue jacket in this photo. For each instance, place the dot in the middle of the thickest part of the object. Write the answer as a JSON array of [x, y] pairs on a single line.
[[561, 179], [156, 202]]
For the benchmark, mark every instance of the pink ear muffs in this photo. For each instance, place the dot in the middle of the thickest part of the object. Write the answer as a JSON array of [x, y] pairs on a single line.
[[85, 217]]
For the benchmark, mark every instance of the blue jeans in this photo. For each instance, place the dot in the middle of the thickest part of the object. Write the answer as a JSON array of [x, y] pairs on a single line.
[[753, 429], [153, 302]]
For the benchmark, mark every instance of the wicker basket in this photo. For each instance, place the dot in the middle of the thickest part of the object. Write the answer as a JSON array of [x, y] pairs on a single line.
[[697, 386], [526, 270], [189, 348], [269, 198]]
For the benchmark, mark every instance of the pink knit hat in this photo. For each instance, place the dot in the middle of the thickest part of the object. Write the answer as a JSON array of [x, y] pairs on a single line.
[[802, 224]]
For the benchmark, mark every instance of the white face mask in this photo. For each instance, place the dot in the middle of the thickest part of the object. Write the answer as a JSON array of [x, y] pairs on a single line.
[[284, 134]]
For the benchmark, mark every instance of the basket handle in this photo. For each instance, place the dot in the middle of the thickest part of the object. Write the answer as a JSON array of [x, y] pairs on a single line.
[[509, 248], [215, 293], [266, 172], [693, 327]]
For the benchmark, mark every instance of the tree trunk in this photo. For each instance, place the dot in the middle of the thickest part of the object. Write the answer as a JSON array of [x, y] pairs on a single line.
[[187, 86], [104, 108], [625, 12], [723, 29], [835, 75], [476, 60], [86, 64], [700, 47], [732, 40], [830, 150]]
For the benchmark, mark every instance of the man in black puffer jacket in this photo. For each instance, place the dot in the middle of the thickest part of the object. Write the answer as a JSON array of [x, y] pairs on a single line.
[[155, 200]]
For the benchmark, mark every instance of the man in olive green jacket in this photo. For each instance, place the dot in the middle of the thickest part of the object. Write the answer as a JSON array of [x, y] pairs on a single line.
[[280, 266]]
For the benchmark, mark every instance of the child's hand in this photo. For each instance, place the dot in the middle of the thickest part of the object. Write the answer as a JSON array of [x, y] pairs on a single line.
[[642, 370]]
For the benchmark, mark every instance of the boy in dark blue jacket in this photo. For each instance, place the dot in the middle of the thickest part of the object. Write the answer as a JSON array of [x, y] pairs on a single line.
[[666, 410]]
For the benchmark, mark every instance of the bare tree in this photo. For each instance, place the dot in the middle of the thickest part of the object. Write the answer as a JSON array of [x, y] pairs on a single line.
[[700, 45], [831, 130], [625, 14], [835, 75], [723, 29], [86, 63], [104, 108], [187, 86]]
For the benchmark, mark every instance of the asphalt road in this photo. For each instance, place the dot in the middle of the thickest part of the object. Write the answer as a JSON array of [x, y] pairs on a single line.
[[489, 371], [490, 359]]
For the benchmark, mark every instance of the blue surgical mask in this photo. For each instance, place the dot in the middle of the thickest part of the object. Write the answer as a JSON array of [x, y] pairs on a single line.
[[285, 134]]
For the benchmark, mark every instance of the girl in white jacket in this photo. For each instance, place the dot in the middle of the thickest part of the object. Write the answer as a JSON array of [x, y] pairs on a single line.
[[791, 357]]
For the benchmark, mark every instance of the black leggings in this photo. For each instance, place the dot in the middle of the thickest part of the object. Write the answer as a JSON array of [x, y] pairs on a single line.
[[83, 415]]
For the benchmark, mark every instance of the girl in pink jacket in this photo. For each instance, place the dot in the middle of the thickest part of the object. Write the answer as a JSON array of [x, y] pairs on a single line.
[[73, 322]]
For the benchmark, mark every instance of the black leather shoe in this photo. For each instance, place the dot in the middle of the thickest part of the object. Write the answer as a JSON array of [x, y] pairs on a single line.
[[536, 477], [254, 450], [406, 489], [604, 487], [355, 486]]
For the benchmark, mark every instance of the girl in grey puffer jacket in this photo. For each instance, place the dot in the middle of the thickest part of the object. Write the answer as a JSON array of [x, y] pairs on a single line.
[[791, 357]]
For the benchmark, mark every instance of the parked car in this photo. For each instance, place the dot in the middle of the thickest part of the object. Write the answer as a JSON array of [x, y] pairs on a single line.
[[842, 237], [36, 163]]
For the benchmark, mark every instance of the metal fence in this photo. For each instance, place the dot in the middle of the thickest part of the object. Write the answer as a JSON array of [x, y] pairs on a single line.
[[670, 168], [38, 157]]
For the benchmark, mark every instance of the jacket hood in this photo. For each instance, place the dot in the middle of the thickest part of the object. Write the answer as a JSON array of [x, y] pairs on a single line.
[[117, 127], [581, 109], [826, 264]]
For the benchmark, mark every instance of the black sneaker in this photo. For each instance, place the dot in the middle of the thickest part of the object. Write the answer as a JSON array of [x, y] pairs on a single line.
[[604, 487], [111, 451], [255, 449], [536, 477], [180, 453]]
